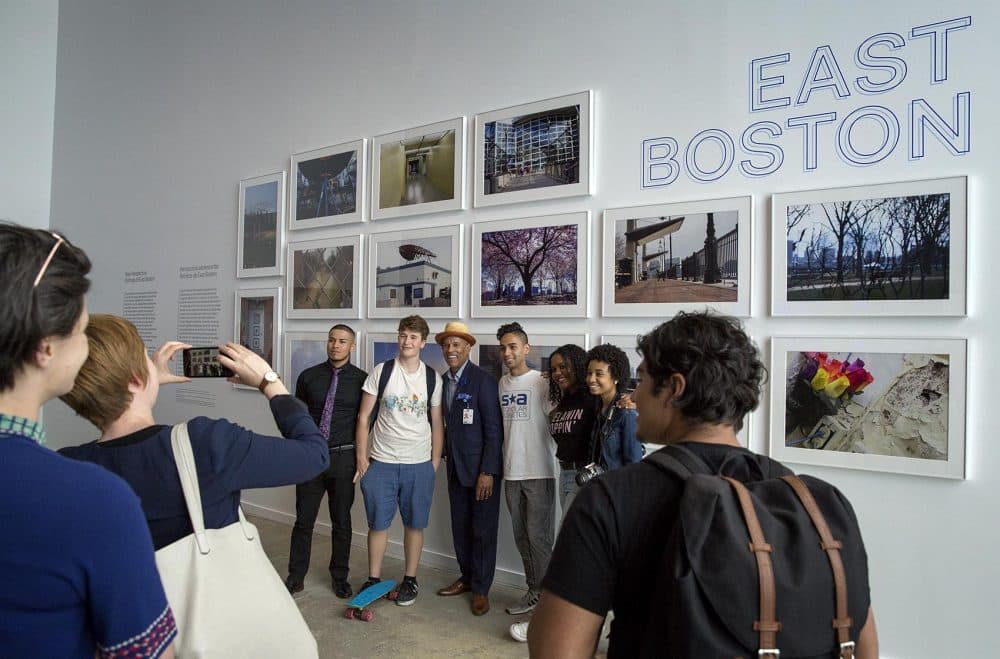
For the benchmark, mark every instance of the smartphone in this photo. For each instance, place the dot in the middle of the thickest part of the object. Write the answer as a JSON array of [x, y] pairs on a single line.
[[204, 363]]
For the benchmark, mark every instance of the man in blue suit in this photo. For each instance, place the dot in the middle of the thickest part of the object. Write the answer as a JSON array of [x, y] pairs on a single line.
[[473, 441]]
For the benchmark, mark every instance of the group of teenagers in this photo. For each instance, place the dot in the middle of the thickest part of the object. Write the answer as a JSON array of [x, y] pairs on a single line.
[[79, 527]]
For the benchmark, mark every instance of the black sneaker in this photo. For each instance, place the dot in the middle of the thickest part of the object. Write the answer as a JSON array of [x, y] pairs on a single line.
[[370, 582], [407, 593], [342, 589], [293, 586]]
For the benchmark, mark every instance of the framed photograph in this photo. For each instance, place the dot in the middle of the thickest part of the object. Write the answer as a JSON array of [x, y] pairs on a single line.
[[420, 170], [419, 273], [260, 223], [302, 350], [540, 150], [257, 323], [542, 346], [324, 278], [661, 259], [895, 405], [383, 346], [627, 342], [897, 249], [327, 186], [533, 267]]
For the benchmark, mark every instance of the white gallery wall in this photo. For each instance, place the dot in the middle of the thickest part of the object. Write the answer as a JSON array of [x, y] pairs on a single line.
[[28, 30], [161, 108]]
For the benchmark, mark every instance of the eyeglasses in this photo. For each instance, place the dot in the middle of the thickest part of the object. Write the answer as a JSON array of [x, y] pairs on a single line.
[[45, 266]]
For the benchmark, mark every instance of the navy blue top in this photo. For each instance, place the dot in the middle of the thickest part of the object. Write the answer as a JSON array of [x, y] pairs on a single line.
[[77, 574], [227, 456]]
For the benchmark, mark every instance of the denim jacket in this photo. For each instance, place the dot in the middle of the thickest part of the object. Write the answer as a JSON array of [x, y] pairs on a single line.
[[619, 444]]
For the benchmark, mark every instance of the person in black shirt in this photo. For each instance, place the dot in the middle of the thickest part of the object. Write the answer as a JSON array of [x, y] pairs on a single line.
[[572, 420], [334, 407], [699, 377]]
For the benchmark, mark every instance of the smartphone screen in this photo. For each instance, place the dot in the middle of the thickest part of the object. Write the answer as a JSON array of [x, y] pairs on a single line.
[[204, 363]]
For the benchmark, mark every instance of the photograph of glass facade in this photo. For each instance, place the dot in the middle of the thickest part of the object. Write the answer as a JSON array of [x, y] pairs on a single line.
[[532, 151]]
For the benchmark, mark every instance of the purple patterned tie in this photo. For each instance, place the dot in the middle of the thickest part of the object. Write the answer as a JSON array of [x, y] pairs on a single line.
[[324, 423]]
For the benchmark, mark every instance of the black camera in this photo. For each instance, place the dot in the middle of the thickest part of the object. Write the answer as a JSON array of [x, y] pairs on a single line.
[[588, 472]]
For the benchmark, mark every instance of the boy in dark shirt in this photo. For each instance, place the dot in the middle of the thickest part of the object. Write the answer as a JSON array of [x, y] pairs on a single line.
[[699, 377]]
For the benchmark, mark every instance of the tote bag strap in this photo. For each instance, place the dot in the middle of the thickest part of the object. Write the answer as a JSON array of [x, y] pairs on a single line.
[[180, 441], [184, 457]]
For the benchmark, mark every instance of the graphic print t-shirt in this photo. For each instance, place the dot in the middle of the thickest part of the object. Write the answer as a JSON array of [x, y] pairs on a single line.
[[528, 449], [402, 433]]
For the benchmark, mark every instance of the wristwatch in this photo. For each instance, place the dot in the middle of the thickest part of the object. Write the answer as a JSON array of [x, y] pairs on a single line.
[[268, 378]]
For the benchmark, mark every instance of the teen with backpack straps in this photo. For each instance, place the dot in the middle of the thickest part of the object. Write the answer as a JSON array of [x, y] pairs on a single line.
[[682, 554]]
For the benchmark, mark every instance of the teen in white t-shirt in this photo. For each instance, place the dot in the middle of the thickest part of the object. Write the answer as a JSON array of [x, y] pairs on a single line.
[[402, 433], [529, 461]]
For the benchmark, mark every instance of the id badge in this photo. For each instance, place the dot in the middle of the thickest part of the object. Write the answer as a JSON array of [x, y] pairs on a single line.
[[467, 416]]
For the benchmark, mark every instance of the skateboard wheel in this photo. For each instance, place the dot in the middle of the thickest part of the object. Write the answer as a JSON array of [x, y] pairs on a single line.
[[349, 614], [367, 616], [393, 595]]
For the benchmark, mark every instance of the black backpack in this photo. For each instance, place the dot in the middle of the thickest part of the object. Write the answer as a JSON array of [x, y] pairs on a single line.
[[383, 382], [750, 566]]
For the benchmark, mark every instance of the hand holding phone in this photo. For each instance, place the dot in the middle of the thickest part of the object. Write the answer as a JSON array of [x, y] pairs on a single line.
[[248, 367], [161, 360], [204, 363]]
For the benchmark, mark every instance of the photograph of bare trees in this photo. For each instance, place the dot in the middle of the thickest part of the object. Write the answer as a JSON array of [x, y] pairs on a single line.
[[535, 264], [873, 248]]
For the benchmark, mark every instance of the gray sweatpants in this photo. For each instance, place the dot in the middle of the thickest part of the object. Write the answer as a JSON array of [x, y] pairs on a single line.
[[532, 505]]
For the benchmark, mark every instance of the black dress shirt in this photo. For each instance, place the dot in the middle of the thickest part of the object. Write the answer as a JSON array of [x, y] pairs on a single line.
[[311, 388]]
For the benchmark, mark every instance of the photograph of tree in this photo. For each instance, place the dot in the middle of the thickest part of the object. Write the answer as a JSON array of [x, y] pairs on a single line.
[[881, 404], [529, 266], [679, 258], [893, 248]]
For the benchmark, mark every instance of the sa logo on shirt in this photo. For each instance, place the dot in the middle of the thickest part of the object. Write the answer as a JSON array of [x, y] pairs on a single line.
[[515, 405]]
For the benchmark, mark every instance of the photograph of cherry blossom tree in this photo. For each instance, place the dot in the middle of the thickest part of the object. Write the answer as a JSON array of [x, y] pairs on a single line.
[[531, 266]]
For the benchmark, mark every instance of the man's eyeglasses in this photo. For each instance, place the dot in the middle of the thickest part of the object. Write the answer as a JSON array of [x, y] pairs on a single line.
[[45, 266]]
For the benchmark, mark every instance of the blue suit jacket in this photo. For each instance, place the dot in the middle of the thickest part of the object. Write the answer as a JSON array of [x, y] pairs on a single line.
[[476, 447]]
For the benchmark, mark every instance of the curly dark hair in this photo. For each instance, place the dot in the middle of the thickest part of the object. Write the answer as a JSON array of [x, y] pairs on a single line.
[[721, 366], [577, 359], [512, 328], [32, 311], [617, 362]]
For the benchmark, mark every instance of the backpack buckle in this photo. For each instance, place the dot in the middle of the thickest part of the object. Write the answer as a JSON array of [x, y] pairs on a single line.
[[773, 652], [847, 650]]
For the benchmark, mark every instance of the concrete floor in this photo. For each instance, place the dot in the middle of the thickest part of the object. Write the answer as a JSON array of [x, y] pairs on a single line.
[[432, 627]]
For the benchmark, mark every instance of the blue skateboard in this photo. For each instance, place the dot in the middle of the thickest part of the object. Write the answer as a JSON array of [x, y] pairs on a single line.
[[357, 608]]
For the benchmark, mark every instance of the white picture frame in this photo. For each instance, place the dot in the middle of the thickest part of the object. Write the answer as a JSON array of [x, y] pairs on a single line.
[[316, 279], [259, 198], [898, 418], [404, 268], [897, 224], [500, 178], [327, 186], [410, 165], [255, 311], [500, 291], [675, 274]]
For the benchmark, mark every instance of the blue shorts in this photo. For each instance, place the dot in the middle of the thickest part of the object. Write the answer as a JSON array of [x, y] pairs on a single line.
[[410, 487]]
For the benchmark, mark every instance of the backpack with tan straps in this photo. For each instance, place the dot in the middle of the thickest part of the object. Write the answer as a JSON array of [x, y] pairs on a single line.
[[771, 566]]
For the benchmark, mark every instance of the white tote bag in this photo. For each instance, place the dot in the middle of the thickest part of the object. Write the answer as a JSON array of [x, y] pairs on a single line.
[[227, 599]]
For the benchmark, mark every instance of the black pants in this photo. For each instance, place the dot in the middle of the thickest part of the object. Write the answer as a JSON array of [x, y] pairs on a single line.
[[336, 481]]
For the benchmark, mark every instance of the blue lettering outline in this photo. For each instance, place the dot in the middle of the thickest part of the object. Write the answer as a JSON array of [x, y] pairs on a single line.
[[962, 115], [864, 59], [691, 155], [890, 128], [939, 51], [835, 79], [759, 84], [649, 162], [809, 124], [774, 151]]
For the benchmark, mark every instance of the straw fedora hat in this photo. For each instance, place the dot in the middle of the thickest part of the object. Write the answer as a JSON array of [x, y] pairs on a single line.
[[455, 328]]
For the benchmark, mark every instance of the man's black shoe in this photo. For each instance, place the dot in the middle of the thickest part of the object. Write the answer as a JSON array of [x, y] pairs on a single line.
[[342, 589], [293, 586]]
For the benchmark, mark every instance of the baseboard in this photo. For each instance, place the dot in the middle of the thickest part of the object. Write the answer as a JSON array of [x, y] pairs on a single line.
[[428, 557]]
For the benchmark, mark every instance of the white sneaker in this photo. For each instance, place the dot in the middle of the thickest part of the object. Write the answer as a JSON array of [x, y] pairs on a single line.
[[519, 631], [526, 604]]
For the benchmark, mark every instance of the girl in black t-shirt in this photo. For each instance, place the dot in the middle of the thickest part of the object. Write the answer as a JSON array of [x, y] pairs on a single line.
[[572, 420]]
